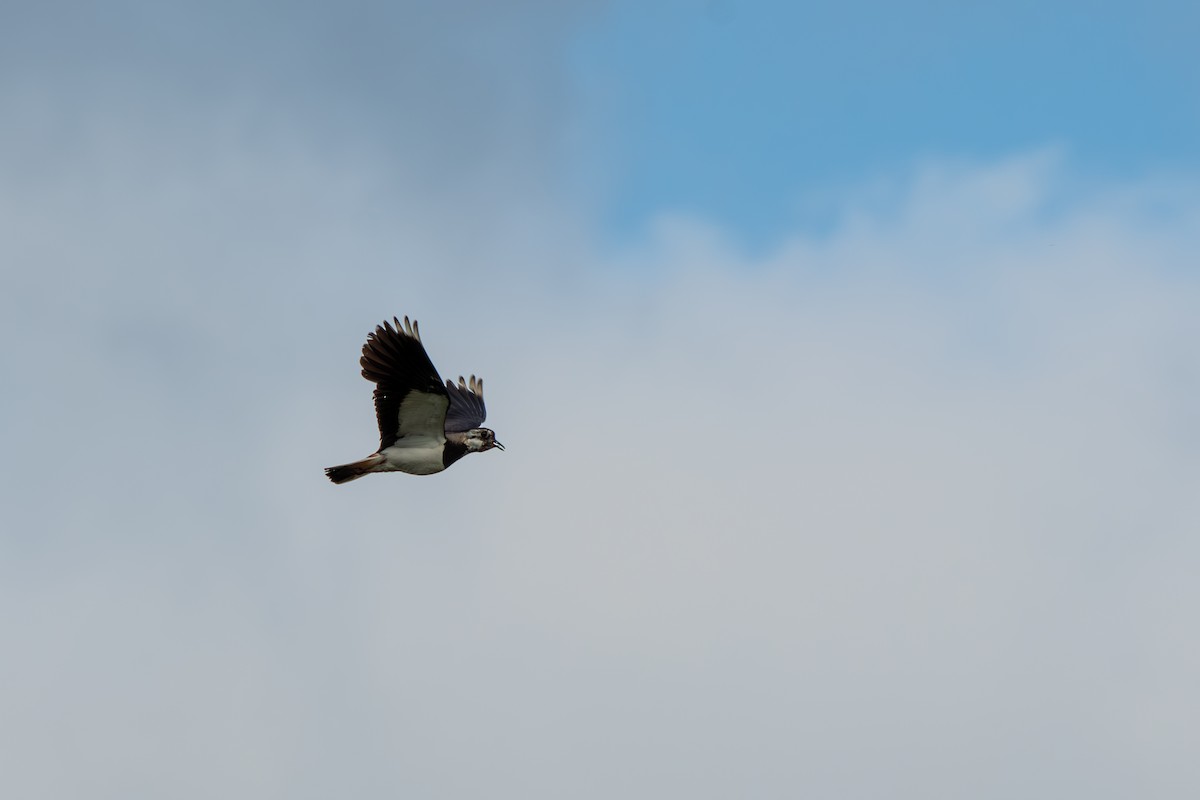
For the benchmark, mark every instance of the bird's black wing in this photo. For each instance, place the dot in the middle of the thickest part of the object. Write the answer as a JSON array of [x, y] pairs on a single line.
[[466, 405], [410, 400]]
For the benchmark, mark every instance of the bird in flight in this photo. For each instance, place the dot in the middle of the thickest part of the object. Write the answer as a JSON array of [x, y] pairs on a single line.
[[424, 426]]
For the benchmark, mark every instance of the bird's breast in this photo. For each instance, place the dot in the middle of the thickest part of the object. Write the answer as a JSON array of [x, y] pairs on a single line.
[[415, 458]]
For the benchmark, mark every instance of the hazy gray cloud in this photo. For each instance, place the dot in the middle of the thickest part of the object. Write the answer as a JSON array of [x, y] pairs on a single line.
[[904, 510]]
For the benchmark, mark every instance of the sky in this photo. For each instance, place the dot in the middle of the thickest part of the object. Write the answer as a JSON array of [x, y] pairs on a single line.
[[845, 361]]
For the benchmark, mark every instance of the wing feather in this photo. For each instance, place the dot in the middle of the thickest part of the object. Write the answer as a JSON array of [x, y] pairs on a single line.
[[410, 400], [467, 410]]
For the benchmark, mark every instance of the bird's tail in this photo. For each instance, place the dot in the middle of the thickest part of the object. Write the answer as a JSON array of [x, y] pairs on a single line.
[[348, 472]]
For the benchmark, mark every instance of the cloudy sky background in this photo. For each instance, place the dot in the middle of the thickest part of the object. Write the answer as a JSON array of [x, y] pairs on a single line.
[[846, 361]]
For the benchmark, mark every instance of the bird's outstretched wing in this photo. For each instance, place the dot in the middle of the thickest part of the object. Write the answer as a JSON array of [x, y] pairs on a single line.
[[410, 400], [466, 405]]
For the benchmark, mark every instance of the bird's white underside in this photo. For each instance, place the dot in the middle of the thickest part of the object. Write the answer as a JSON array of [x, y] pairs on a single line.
[[414, 455], [418, 451]]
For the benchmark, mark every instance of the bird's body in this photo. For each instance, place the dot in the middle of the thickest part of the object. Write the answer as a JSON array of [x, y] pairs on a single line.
[[416, 458], [424, 426]]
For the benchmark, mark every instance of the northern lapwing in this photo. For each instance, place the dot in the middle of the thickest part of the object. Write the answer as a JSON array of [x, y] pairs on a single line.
[[424, 425]]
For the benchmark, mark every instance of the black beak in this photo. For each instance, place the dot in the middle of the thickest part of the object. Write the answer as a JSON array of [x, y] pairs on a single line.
[[497, 444]]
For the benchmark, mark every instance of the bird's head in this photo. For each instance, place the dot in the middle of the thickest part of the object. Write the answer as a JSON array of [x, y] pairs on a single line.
[[479, 439]]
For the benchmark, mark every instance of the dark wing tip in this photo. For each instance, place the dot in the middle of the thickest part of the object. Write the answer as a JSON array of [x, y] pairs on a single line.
[[393, 354]]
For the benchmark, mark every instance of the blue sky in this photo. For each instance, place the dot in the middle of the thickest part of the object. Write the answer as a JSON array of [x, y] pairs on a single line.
[[738, 111], [845, 359]]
